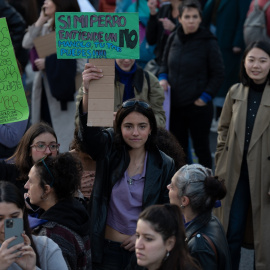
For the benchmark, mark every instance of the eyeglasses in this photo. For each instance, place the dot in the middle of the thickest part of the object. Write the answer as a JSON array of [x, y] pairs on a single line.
[[41, 147], [131, 103], [48, 170]]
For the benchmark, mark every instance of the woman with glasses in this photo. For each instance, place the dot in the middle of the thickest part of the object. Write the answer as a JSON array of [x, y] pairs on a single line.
[[53, 92], [36, 252], [131, 174], [196, 191], [51, 185], [38, 141]]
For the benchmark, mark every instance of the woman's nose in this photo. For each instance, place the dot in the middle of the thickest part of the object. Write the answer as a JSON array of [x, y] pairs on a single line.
[[138, 243], [135, 131], [26, 185], [47, 150]]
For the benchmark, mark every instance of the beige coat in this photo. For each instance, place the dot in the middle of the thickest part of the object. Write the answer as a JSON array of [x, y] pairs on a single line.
[[230, 147], [62, 121]]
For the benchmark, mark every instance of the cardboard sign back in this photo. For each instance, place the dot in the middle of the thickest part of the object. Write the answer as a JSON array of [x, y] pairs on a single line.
[[45, 45], [101, 95]]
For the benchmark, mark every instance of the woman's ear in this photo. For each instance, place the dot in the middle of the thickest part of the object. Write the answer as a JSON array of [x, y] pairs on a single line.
[[185, 201], [170, 242], [47, 189]]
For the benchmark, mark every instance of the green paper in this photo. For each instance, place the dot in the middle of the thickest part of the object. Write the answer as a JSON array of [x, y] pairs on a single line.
[[13, 103], [95, 35]]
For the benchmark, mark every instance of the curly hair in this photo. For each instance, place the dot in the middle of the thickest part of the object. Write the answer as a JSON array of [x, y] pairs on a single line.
[[122, 113], [22, 157], [168, 144], [62, 173]]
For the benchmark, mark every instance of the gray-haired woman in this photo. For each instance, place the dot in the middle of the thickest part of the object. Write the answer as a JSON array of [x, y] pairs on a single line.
[[196, 190]]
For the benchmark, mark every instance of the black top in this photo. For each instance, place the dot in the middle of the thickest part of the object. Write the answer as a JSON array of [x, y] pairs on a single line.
[[254, 99], [155, 33]]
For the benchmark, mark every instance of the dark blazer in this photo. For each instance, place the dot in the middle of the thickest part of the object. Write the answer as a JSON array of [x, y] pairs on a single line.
[[230, 18], [155, 33], [111, 163], [200, 248]]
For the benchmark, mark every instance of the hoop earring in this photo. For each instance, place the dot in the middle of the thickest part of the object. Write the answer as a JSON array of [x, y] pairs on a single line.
[[182, 206]]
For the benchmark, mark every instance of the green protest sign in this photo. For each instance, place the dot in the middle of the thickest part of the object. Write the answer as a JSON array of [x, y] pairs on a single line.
[[13, 103], [97, 35]]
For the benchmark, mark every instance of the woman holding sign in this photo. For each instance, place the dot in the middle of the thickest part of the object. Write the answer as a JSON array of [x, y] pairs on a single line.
[[131, 174], [54, 76]]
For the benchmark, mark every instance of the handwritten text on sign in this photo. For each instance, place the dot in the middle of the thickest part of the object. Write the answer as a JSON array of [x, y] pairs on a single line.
[[97, 35], [13, 103]]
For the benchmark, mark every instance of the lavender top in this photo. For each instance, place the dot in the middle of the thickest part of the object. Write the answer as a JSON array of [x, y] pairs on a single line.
[[126, 202]]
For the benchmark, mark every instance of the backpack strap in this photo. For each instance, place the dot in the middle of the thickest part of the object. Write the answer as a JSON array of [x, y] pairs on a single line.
[[210, 242], [146, 74]]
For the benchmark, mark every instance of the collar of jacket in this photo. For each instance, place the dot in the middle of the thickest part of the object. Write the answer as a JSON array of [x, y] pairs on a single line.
[[240, 92], [137, 80], [200, 221]]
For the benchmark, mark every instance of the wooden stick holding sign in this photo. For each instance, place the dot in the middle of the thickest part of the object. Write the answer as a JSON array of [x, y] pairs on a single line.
[[101, 38]]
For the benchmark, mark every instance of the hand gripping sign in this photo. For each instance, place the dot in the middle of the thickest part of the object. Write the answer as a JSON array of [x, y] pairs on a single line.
[[97, 35]]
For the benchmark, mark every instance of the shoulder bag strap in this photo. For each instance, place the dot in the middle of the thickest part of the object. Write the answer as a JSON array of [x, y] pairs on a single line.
[[210, 242]]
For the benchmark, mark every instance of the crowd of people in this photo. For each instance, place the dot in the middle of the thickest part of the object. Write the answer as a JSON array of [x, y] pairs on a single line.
[[129, 196]]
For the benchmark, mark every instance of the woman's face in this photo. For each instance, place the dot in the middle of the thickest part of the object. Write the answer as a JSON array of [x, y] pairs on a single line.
[[135, 130], [44, 138], [173, 192], [8, 210], [125, 64], [190, 20], [150, 247], [35, 191], [50, 8], [257, 65]]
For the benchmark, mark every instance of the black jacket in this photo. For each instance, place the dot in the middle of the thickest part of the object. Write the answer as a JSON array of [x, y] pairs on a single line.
[[68, 225], [194, 65], [200, 248], [110, 167], [17, 27], [155, 33]]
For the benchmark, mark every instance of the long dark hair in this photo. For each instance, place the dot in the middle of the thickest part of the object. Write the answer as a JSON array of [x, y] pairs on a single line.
[[9, 193], [262, 45], [123, 112], [22, 157], [167, 220], [65, 6]]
